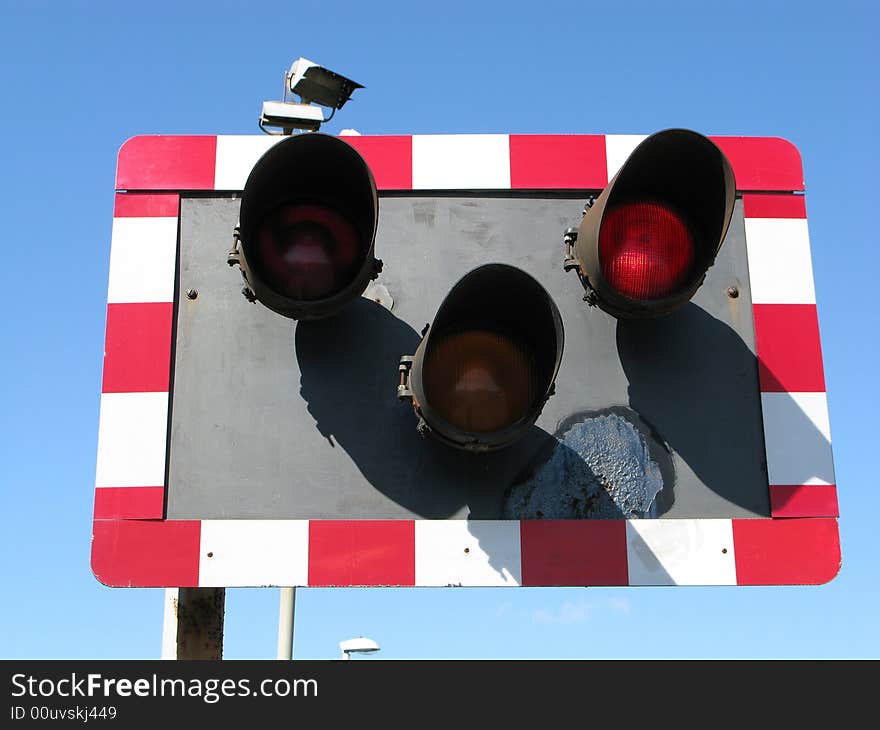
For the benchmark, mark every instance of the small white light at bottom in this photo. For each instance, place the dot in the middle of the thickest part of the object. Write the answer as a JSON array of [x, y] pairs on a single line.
[[360, 645]]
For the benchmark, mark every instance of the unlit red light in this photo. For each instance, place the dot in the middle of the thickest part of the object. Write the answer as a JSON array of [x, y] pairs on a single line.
[[308, 252], [480, 381], [646, 250]]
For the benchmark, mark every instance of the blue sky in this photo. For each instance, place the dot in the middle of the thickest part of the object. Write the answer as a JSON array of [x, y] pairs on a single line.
[[79, 78]]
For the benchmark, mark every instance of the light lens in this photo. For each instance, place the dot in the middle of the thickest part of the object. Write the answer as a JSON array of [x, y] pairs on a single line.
[[480, 381], [646, 250], [307, 251]]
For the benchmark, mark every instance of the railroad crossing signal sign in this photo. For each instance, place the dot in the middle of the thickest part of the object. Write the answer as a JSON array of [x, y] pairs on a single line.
[[675, 433]]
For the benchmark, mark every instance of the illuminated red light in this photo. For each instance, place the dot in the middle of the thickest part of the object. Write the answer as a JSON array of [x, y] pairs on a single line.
[[646, 250], [308, 251]]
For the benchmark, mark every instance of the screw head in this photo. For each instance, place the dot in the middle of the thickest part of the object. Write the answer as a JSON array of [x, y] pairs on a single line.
[[732, 292], [191, 293]]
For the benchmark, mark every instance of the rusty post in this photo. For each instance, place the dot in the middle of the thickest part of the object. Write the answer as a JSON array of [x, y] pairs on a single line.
[[194, 623]]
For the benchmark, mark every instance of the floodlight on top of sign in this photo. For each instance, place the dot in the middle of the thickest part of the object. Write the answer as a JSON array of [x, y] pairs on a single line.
[[317, 87]]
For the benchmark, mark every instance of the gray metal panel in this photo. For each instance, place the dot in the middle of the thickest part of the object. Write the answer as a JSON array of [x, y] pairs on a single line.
[[279, 420]]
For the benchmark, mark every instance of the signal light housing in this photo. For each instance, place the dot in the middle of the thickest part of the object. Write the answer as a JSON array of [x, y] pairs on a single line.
[[645, 244], [485, 367], [307, 227]]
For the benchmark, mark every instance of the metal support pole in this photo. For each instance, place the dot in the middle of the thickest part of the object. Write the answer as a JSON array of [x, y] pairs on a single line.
[[286, 612], [193, 623], [169, 624]]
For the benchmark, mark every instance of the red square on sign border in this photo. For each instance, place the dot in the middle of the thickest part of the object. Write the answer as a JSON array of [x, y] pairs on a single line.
[[137, 353], [133, 545], [574, 552], [361, 553]]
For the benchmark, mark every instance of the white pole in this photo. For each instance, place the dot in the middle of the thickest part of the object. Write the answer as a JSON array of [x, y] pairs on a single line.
[[286, 610]]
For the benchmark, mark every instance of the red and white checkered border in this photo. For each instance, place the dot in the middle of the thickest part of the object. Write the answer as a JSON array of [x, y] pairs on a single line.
[[133, 545]]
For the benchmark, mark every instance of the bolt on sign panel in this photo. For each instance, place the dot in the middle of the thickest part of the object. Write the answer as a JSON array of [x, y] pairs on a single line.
[[241, 447]]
